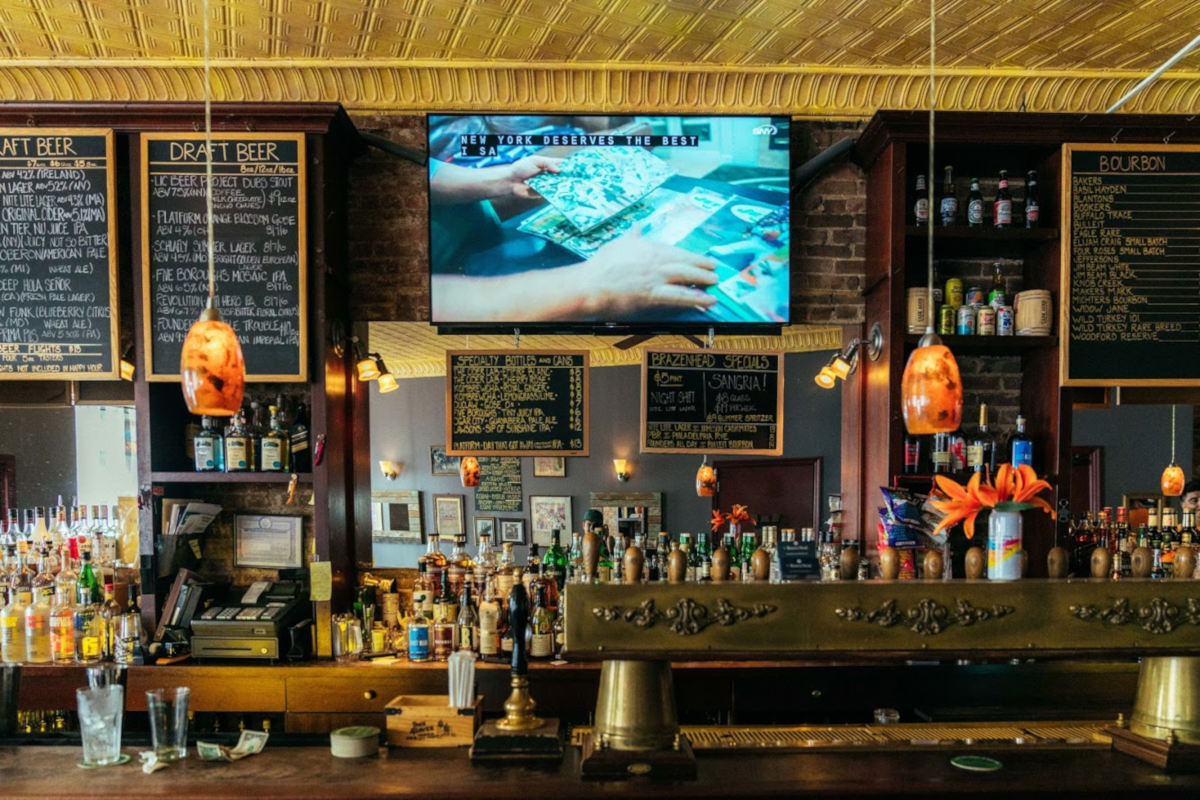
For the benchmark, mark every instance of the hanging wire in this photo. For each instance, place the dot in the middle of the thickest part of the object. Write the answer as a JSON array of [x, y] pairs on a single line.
[[1172, 433], [929, 180], [208, 185]]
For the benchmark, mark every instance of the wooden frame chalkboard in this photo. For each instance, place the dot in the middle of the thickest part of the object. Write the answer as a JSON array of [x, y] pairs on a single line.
[[58, 254], [1129, 311], [261, 236], [517, 402], [712, 401]]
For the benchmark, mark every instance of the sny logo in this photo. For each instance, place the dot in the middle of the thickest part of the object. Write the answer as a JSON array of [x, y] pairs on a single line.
[[766, 130]]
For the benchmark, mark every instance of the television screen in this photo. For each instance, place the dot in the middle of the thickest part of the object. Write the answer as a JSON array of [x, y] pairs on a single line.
[[644, 223]]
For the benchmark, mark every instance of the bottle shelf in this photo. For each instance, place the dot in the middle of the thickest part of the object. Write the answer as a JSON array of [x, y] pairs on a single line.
[[227, 477], [989, 345]]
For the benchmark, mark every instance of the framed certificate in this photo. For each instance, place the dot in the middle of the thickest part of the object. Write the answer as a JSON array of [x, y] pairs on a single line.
[[268, 541]]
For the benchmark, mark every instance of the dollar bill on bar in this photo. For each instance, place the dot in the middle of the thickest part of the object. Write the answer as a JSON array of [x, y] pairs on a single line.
[[248, 744]]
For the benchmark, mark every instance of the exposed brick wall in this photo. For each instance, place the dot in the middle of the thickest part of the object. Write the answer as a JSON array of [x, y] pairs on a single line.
[[388, 235]]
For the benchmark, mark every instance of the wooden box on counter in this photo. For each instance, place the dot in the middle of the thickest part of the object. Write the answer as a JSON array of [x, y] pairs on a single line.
[[427, 720]]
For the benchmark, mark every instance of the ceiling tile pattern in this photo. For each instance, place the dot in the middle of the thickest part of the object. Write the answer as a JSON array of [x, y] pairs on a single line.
[[818, 57]]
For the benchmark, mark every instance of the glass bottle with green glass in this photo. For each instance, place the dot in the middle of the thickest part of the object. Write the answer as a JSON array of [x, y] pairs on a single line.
[[604, 569], [554, 562]]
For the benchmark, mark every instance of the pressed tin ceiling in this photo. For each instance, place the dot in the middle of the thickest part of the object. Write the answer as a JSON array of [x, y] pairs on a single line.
[[810, 58]]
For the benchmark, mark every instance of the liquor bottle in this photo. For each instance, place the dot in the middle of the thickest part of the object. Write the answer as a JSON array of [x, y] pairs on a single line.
[[43, 581], [948, 203], [575, 558], [981, 452], [208, 447], [665, 546], [110, 622], [618, 553], [238, 448], [551, 594], [418, 639], [275, 447], [435, 559], [37, 630], [1002, 207], [1170, 536], [459, 563], [998, 293], [62, 628], [486, 562], [256, 427], [89, 632], [127, 646], [648, 556], [1022, 445], [1083, 543], [489, 622], [729, 543], [12, 624], [749, 545], [530, 573], [693, 558], [1033, 208], [912, 454], [604, 569], [445, 605], [505, 572], [940, 453], [467, 625], [974, 205], [921, 206], [555, 562], [1153, 532], [958, 451], [422, 593], [704, 558], [88, 587], [541, 626]]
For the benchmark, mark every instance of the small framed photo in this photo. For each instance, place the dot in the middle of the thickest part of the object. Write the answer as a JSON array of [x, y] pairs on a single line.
[[448, 514], [442, 464], [512, 530], [485, 525], [268, 541], [549, 467], [396, 517], [547, 512]]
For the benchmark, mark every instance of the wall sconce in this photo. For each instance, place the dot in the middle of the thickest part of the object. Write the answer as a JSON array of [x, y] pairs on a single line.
[[845, 361], [469, 471], [623, 469], [367, 366], [127, 368], [387, 381], [390, 469]]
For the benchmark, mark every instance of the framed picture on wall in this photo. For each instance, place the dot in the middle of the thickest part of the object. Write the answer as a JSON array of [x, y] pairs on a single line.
[[448, 514], [396, 517], [485, 525], [442, 464], [547, 512], [549, 467], [512, 530]]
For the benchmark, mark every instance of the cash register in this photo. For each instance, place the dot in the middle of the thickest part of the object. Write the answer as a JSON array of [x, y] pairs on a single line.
[[267, 621]]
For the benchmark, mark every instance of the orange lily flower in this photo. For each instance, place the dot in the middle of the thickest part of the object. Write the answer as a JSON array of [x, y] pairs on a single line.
[[1011, 486], [718, 519], [739, 514]]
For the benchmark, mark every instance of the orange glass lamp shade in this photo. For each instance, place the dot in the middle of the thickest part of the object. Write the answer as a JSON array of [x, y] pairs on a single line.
[[212, 367], [468, 471], [706, 481], [1172, 480], [931, 391]]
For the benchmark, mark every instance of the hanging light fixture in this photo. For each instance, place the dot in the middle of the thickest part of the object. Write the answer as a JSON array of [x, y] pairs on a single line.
[[387, 381], [1172, 477], [469, 471], [706, 479], [211, 365], [931, 394]]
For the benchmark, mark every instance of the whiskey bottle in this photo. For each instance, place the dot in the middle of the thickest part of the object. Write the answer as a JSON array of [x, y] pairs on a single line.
[[703, 558], [275, 447], [948, 203], [1002, 207], [459, 563], [974, 205], [467, 625], [239, 451], [208, 447], [541, 626], [489, 623], [445, 606], [1033, 208], [422, 593], [1022, 445], [435, 559], [505, 572], [298, 434], [419, 646]]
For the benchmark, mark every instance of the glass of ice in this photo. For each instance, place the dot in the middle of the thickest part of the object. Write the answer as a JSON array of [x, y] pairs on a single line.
[[100, 715]]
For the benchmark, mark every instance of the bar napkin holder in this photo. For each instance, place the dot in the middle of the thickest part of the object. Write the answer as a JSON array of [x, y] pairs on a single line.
[[520, 735]]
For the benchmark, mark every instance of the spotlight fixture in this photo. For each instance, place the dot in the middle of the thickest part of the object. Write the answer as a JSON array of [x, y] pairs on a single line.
[[368, 369], [387, 381], [842, 363], [622, 468], [826, 378]]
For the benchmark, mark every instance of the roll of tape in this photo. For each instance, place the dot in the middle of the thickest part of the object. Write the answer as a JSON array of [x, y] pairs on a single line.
[[355, 741]]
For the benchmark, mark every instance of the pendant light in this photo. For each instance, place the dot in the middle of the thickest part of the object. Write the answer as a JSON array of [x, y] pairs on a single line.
[[706, 479], [931, 393], [211, 365], [1172, 477]]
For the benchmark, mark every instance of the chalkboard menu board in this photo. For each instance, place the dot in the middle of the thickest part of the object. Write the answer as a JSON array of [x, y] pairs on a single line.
[[1131, 295], [516, 402], [499, 484], [259, 247], [58, 255], [705, 401]]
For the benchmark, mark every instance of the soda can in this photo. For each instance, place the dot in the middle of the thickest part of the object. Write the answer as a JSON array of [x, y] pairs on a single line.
[[966, 321], [1004, 321], [985, 321], [945, 320], [975, 296], [954, 292], [996, 298]]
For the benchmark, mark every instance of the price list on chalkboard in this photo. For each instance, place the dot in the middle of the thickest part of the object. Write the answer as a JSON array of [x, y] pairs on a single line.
[[708, 401], [258, 247], [58, 260], [1131, 295], [500, 486], [516, 402]]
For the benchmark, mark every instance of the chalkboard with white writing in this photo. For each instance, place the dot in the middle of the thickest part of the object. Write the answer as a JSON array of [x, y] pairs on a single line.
[[516, 402], [500, 487], [58, 254], [1131, 291], [707, 401], [259, 238]]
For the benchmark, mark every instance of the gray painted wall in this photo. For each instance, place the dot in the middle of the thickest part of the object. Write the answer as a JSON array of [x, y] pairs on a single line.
[[43, 440], [406, 422], [1137, 445]]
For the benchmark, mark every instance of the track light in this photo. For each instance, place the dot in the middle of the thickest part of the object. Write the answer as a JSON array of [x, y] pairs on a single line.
[[845, 361], [387, 381]]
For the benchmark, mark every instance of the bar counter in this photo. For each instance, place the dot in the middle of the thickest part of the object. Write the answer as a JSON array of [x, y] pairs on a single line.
[[288, 773]]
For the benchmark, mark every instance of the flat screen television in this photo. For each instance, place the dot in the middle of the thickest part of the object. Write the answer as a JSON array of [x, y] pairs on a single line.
[[642, 224]]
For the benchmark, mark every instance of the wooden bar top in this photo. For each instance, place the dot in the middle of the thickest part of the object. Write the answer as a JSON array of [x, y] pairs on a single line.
[[290, 773]]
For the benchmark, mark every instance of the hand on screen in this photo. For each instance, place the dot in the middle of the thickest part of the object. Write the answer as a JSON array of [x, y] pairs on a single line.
[[634, 273], [526, 168]]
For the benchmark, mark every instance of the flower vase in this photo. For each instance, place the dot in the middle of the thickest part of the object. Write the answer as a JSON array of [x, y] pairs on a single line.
[[1004, 545]]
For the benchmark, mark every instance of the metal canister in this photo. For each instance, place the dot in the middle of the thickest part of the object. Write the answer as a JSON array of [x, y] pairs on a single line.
[[1004, 321], [985, 321], [965, 321], [975, 296], [954, 292], [945, 326]]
